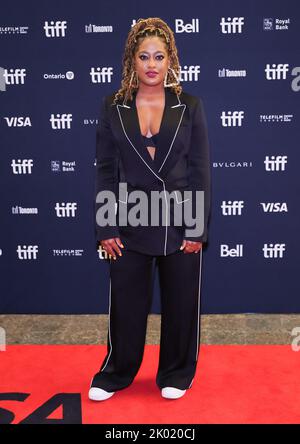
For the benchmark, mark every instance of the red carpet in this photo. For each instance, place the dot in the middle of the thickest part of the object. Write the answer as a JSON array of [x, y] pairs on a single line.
[[233, 384]]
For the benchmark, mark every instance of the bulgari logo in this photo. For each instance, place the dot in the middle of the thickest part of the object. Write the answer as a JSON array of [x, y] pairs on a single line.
[[233, 164]]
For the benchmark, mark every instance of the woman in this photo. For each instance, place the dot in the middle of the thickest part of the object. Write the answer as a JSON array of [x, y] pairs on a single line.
[[151, 138]]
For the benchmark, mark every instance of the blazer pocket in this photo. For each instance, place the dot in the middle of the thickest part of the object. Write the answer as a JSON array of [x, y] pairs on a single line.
[[123, 194], [124, 197], [179, 199]]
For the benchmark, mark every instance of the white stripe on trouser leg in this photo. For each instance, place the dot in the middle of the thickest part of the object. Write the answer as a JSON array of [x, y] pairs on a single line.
[[198, 309], [109, 326]]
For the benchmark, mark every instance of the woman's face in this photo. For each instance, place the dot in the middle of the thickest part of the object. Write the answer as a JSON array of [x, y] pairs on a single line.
[[151, 61]]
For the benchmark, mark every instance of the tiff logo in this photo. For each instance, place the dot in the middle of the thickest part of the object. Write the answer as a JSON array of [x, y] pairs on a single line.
[[232, 208], [55, 29], [273, 251], [232, 118], [27, 252], [14, 76], [101, 75], [2, 80], [61, 121], [275, 163], [189, 73], [231, 25], [277, 71], [102, 254], [65, 209], [23, 166]]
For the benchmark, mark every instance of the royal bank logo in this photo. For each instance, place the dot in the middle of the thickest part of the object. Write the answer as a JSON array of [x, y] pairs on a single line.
[[271, 24], [268, 24], [63, 166]]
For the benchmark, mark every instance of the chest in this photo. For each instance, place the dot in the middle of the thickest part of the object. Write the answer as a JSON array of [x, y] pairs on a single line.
[[150, 117]]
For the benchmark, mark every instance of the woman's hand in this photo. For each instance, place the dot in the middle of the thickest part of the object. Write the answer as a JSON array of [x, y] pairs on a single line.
[[191, 246], [111, 246]]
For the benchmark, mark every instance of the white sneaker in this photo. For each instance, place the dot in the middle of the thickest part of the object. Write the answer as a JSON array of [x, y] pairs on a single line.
[[172, 392], [98, 394]]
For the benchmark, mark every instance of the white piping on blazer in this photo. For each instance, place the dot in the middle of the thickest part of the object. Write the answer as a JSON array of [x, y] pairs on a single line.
[[174, 106]]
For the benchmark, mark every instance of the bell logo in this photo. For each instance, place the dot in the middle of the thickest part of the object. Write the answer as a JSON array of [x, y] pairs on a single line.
[[189, 27]]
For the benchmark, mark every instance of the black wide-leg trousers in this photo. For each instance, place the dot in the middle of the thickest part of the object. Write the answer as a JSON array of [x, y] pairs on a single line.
[[130, 298]]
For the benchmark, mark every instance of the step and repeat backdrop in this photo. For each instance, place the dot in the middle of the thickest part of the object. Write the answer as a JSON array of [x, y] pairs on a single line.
[[58, 60]]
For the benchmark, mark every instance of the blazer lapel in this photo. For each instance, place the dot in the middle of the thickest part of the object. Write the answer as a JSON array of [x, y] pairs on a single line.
[[170, 123]]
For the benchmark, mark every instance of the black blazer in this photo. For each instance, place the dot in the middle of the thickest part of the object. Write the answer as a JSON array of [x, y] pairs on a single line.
[[181, 163]]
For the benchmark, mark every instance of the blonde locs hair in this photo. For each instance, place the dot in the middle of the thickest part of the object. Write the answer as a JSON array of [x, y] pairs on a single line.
[[152, 26]]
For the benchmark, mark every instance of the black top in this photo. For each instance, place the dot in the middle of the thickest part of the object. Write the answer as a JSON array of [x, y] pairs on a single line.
[[150, 141]]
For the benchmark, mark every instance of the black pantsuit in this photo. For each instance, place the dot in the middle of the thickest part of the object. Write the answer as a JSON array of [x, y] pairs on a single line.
[[181, 163], [131, 279]]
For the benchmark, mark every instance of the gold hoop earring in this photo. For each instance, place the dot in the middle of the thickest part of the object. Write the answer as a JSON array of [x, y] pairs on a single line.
[[174, 75]]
